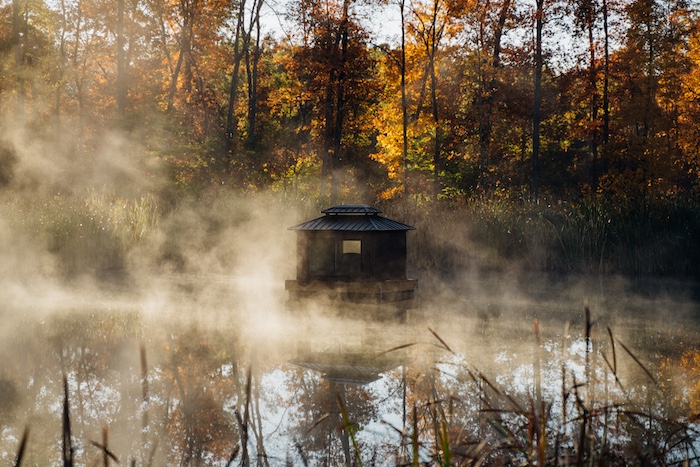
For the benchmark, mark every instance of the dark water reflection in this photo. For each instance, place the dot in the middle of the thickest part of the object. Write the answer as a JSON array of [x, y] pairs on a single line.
[[476, 372]]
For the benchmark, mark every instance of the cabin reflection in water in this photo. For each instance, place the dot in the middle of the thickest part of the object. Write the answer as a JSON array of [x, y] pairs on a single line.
[[351, 264], [348, 368]]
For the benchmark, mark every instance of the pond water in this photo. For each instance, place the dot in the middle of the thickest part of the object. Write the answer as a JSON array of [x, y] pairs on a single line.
[[495, 368]]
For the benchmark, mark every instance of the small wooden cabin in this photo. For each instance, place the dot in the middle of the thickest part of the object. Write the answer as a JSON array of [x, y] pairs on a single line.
[[351, 253]]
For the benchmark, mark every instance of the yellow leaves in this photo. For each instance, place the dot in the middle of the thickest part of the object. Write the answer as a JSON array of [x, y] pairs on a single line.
[[391, 193], [390, 154]]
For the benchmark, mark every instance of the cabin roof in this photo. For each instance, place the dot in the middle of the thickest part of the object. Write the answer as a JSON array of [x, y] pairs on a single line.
[[353, 217], [351, 209]]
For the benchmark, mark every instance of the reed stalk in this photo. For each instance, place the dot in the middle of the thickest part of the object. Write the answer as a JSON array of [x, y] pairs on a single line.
[[22, 447], [68, 451]]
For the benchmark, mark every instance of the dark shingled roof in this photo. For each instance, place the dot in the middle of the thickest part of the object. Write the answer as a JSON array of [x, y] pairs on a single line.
[[351, 209], [352, 217]]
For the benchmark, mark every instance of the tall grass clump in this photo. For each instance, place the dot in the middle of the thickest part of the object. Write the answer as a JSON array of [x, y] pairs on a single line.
[[632, 236], [582, 401], [623, 236], [88, 234]]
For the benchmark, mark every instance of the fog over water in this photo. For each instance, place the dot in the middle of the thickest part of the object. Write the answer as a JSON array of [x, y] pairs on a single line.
[[187, 348], [205, 298]]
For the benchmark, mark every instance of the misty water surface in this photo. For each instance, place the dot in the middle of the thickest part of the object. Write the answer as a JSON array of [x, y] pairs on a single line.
[[189, 375]]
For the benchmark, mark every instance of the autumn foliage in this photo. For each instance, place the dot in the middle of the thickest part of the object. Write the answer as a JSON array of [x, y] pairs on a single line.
[[604, 106]]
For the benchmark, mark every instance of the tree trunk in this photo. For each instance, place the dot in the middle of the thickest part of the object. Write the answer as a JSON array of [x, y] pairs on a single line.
[[17, 49], [63, 58], [76, 66], [606, 77], [340, 101], [593, 84], [437, 163], [121, 61], [129, 37], [253, 78], [241, 50], [231, 121], [184, 50], [436, 147], [535, 184], [404, 104], [650, 97], [487, 95], [335, 107], [481, 103], [327, 159], [423, 87]]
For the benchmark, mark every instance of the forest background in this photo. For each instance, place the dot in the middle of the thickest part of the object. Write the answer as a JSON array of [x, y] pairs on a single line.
[[560, 133]]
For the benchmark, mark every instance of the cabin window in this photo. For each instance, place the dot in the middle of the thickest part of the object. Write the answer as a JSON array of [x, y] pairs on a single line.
[[352, 247]]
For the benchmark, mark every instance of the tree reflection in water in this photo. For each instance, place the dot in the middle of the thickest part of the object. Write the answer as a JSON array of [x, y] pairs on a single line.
[[203, 394]]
